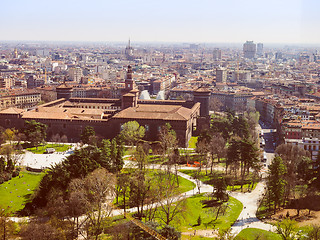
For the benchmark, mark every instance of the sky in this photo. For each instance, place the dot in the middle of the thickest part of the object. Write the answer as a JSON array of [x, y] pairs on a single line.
[[198, 21]]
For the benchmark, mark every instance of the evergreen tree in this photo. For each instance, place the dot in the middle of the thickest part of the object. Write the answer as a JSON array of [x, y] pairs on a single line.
[[276, 183]]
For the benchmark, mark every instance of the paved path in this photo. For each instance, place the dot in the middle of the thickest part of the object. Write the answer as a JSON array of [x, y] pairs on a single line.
[[40, 161], [247, 217]]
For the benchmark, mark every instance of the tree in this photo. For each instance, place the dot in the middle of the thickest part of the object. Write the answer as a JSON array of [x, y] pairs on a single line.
[[202, 150], [314, 232], [242, 153], [77, 165], [287, 229], [36, 230], [132, 132], [35, 132], [123, 183], [240, 127], [220, 189], [64, 139], [99, 191], [172, 203], [7, 227], [291, 155], [140, 186], [55, 138], [305, 169], [168, 142], [216, 148], [9, 135], [87, 135], [276, 184], [215, 105]]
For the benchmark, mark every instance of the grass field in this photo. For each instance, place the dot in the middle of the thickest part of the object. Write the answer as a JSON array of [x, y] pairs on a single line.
[[193, 142], [206, 179], [195, 208], [254, 233], [184, 186], [42, 149], [14, 193]]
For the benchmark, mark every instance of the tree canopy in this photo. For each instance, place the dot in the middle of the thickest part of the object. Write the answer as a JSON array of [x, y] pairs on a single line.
[[35, 132], [79, 165], [132, 132]]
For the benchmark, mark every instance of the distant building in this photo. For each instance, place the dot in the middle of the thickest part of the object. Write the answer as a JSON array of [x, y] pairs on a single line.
[[260, 49], [75, 74], [249, 49], [221, 75], [20, 100], [217, 54], [129, 51], [241, 75], [70, 116], [6, 82]]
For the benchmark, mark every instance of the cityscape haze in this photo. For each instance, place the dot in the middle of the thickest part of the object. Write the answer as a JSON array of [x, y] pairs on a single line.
[[203, 21], [167, 120]]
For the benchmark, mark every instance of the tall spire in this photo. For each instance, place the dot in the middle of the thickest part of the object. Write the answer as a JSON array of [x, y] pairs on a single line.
[[129, 44]]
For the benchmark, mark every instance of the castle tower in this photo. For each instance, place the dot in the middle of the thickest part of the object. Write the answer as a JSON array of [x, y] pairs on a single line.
[[130, 94], [129, 82], [64, 91], [202, 95]]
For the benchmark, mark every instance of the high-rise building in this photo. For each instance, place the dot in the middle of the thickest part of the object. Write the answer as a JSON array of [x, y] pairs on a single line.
[[249, 49], [260, 49], [221, 75], [217, 54]]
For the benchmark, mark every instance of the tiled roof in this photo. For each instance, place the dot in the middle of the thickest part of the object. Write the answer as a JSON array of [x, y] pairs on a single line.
[[161, 112]]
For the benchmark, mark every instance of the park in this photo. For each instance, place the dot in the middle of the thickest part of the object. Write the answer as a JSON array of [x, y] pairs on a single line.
[[217, 188]]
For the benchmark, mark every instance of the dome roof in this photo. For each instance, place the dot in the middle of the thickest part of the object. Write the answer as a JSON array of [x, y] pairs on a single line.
[[160, 95], [144, 95]]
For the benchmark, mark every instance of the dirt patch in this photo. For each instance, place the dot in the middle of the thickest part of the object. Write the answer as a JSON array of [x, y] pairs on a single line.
[[303, 219], [202, 233]]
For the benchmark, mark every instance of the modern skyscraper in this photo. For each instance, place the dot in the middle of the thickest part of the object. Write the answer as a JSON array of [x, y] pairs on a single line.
[[260, 49], [249, 49]]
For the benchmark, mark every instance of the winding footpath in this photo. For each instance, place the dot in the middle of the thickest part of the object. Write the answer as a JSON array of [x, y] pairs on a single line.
[[247, 217], [250, 201]]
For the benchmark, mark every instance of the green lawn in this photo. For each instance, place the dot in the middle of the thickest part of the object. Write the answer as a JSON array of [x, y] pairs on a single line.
[[254, 233], [194, 208], [245, 188], [129, 150], [193, 142], [42, 149], [206, 179], [184, 186], [15, 192]]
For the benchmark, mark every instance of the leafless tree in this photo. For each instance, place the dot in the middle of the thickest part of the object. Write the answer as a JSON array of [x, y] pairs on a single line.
[[172, 203]]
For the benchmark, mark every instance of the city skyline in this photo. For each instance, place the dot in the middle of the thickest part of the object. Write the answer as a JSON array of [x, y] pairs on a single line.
[[231, 21]]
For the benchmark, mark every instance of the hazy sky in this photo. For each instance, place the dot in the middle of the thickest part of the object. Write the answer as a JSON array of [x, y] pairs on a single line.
[[268, 21]]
